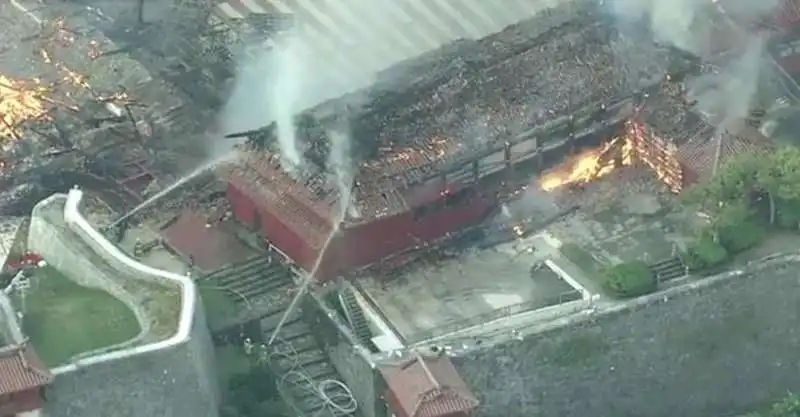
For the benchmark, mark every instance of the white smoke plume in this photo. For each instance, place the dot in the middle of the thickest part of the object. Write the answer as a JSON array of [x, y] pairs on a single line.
[[341, 166], [726, 94], [687, 24], [284, 94]]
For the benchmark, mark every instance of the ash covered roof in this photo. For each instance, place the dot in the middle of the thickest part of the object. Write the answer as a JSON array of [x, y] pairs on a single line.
[[440, 109], [666, 113]]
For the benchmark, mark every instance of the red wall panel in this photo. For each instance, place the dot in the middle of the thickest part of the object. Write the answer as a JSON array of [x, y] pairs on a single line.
[[286, 239], [358, 245], [371, 242], [242, 206]]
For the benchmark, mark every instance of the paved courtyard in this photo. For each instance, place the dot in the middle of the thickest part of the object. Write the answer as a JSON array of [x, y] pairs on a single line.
[[464, 291]]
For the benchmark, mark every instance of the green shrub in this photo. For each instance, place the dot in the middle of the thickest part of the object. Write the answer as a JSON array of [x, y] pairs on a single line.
[[788, 407], [630, 279], [788, 215], [742, 236], [705, 253]]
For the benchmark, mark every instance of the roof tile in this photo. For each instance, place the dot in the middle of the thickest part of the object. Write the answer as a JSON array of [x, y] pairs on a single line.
[[21, 369], [429, 387]]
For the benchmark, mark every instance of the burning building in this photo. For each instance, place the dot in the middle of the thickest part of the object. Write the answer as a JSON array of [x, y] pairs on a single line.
[[435, 138]]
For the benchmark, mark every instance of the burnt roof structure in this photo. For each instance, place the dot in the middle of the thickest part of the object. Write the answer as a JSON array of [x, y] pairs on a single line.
[[702, 144], [440, 110], [666, 114]]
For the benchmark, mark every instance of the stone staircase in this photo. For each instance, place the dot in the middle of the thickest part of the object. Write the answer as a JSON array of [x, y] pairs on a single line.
[[257, 285], [306, 378], [304, 373], [355, 315], [669, 269], [252, 278]]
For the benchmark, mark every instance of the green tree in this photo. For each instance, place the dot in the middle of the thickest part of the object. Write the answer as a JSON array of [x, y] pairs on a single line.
[[787, 407], [779, 177], [630, 279]]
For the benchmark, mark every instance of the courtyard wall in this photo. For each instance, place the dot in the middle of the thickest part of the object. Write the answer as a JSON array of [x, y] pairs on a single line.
[[174, 377], [721, 346], [351, 360]]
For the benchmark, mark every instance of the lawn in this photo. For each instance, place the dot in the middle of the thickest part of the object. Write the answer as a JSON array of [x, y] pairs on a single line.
[[64, 319]]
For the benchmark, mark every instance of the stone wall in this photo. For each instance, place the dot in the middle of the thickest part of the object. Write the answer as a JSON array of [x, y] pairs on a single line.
[[716, 349], [345, 355], [49, 236], [175, 380]]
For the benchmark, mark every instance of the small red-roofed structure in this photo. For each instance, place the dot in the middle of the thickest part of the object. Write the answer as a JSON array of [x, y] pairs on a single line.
[[22, 379], [427, 387]]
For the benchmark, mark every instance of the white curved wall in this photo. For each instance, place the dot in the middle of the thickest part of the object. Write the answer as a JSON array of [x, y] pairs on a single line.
[[172, 377]]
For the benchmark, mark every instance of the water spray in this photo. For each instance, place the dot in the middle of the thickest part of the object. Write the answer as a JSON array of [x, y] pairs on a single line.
[[308, 278], [177, 184], [339, 161]]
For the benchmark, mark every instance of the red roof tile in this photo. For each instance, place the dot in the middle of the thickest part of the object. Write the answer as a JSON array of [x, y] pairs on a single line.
[[429, 387], [21, 370], [206, 244]]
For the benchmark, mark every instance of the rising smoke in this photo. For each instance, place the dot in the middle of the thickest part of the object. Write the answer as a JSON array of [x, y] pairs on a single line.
[[727, 93], [342, 170], [284, 94]]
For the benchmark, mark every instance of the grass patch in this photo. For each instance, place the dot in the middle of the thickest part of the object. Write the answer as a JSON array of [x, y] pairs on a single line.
[[583, 259], [64, 319]]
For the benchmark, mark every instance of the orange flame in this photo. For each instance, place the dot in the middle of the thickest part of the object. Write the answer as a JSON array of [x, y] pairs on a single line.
[[587, 166], [19, 104]]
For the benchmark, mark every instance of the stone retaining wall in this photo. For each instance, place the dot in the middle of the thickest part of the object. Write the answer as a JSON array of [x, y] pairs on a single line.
[[174, 378]]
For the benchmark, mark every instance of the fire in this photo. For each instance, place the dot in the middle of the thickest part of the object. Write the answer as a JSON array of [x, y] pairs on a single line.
[[19, 104], [589, 165]]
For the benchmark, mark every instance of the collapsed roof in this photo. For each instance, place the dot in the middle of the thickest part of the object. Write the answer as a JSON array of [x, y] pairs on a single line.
[[474, 92], [442, 108]]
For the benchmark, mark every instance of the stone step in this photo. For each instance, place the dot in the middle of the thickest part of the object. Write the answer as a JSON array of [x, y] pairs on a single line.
[[266, 271], [225, 270], [256, 288], [356, 317], [270, 320], [233, 275], [665, 263], [284, 360]]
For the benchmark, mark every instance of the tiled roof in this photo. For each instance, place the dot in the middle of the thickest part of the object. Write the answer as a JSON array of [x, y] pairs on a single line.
[[700, 153], [429, 387], [21, 369]]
